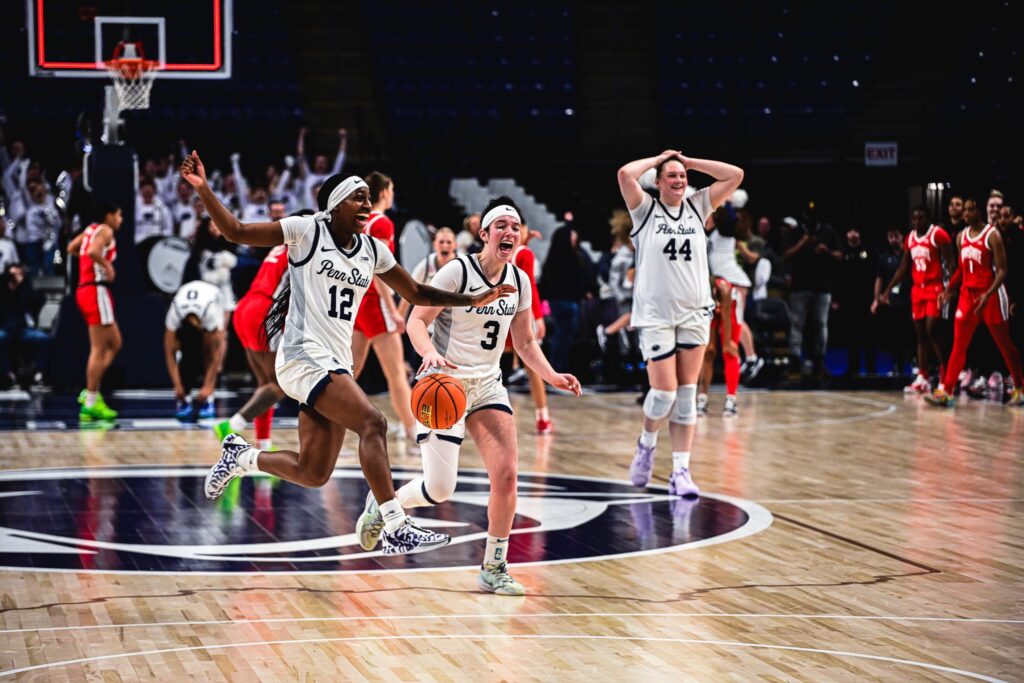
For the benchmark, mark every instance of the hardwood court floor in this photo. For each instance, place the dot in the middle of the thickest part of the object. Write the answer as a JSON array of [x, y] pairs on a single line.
[[894, 552]]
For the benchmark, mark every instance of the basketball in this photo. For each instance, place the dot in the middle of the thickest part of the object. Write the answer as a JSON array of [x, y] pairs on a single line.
[[438, 401]]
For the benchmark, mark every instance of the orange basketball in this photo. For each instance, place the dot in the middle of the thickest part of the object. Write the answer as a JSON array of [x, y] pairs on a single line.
[[438, 401]]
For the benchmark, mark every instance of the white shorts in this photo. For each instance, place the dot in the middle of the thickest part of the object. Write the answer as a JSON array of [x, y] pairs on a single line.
[[305, 377], [481, 393], [658, 343]]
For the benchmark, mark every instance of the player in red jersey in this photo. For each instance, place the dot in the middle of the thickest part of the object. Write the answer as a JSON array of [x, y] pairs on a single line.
[[378, 323], [928, 250], [249, 317], [983, 298], [97, 249], [729, 330]]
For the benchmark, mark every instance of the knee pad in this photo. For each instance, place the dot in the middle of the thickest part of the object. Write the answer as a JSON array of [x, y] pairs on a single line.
[[440, 466], [685, 412], [658, 403]]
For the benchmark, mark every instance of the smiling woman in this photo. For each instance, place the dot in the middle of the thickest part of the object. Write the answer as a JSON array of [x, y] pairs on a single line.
[[314, 361]]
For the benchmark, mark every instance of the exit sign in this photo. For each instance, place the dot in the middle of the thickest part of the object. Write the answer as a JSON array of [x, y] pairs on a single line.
[[881, 153]]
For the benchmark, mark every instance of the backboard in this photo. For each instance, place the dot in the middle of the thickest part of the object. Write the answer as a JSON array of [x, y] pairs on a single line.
[[72, 38]]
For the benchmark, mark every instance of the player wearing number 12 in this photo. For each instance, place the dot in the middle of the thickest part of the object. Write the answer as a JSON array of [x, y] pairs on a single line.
[[672, 303]]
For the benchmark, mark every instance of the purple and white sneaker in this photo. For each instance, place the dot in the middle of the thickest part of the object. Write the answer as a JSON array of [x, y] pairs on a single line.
[[680, 484], [643, 465]]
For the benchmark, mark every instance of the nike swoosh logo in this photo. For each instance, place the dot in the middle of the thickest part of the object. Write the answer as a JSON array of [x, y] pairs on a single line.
[[473, 289], [327, 249]]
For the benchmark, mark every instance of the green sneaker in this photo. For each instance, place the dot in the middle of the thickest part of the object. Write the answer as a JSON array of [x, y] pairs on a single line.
[[494, 578], [99, 411], [81, 397], [222, 429]]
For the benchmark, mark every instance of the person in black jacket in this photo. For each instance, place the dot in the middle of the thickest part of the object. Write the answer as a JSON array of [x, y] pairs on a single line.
[[19, 306], [565, 280]]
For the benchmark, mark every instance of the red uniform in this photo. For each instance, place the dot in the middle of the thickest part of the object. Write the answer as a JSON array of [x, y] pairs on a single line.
[[526, 260], [93, 295], [731, 361], [373, 318], [926, 258], [977, 268], [252, 309]]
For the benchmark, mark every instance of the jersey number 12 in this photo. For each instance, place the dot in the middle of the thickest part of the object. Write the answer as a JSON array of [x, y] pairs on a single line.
[[344, 311]]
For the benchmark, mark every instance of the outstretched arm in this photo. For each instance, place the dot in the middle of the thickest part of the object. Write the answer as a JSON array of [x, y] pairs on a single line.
[[419, 294], [529, 351], [727, 178], [254, 234]]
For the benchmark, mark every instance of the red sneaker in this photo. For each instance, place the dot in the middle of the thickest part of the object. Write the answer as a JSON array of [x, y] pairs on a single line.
[[545, 427]]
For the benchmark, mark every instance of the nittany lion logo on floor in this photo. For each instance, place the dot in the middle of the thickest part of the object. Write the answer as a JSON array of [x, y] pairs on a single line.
[[156, 519]]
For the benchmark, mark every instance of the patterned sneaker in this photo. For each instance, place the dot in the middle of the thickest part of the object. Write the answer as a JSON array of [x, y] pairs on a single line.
[[227, 468], [730, 409], [920, 385], [680, 484], [940, 399], [208, 411], [643, 465], [99, 411], [410, 538], [545, 427], [494, 578], [370, 524], [702, 405], [222, 429], [1016, 398]]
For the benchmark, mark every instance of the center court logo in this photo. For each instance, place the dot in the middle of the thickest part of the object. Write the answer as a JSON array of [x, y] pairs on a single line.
[[156, 519]]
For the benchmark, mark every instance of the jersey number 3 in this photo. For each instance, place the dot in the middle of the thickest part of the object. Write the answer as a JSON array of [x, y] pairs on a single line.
[[673, 253], [345, 310], [491, 340]]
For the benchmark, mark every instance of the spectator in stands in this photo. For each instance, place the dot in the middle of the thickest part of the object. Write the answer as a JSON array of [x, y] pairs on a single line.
[[854, 294], [19, 333], [8, 250], [1009, 225], [621, 270], [992, 207], [812, 253], [152, 217], [183, 211], [38, 229], [315, 177], [894, 319], [468, 241], [956, 215], [566, 278]]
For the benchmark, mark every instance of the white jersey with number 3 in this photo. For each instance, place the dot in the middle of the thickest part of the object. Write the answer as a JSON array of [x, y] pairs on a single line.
[[471, 337], [672, 277]]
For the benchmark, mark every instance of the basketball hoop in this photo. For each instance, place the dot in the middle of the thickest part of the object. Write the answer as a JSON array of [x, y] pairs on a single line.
[[132, 75]]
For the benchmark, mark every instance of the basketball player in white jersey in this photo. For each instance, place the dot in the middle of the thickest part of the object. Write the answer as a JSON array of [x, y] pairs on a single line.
[[467, 343], [331, 264], [199, 305], [672, 303]]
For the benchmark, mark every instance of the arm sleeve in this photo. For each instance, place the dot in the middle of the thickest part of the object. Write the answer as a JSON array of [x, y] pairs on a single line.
[[385, 259], [294, 228]]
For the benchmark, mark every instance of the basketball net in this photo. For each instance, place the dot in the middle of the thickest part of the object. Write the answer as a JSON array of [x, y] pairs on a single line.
[[133, 76]]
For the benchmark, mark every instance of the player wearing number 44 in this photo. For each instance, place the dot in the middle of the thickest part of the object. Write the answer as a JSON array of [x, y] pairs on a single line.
[[467, 343], [330, 264], [672, 303]]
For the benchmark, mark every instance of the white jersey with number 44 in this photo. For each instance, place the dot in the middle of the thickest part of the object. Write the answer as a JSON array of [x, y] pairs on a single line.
[[672, 277]]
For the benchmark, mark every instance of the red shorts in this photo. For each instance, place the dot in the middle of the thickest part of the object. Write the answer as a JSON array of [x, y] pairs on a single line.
[[924, 301], [996, 311], [96, 304], [372, 319], [248, 320]]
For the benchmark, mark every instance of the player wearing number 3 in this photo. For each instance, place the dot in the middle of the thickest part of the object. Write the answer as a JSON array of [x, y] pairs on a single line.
[[672, 302], [330, 266]]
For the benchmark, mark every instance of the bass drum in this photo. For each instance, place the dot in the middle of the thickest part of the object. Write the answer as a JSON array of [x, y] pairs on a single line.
[[164, 259]]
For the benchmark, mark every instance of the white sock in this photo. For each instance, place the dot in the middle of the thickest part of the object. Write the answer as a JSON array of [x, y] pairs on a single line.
[[237, 422], [393, 514], [648, 439], [264, 444], [248, 460], [680, 459], [497, 550], [752, 358], [702, 398], [90, 398], [542, 414]]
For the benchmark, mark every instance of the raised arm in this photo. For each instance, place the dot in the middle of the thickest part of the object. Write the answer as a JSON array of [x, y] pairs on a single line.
[[419, 294], [727, 178], [339, 160], [240, 183], [254, 234], [629, 176]]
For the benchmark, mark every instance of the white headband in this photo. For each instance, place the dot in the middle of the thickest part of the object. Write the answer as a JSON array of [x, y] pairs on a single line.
[[498, 212], [338, 194]]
